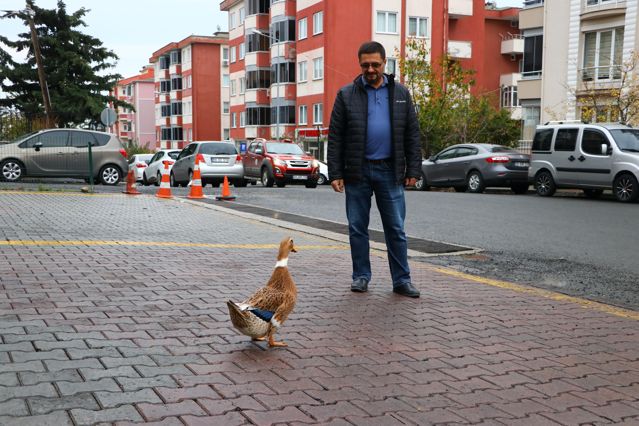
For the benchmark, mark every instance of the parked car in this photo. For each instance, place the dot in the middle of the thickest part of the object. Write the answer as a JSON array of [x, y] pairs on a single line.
[[152, 174], [473, 167], [591, 157], [220, 159], [137, 163], [64, 153], [279, 163], [323, 174]]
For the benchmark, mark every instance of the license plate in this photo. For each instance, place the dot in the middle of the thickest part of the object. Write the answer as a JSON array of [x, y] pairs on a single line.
[[219, 160], [300, 177], [520, 164]]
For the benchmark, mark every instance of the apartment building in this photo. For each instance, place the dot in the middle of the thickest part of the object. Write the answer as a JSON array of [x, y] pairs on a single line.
[[288, 58], [573, 48], [138, 124], [192, 91]]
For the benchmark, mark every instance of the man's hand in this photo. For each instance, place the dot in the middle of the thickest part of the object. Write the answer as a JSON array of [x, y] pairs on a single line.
[[338, 185], [408, 182]]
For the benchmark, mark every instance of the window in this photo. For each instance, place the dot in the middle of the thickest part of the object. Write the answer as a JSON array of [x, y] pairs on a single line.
[[242, 15], [176, 108], [242, 85], [302, 29], [232, 20], [176, 57], [303, 113], [165, 110], [164, 62], [232, 87], [286, 114], [566, 139], [165, 86], [243, 119], [226, 80], [176, 133], [509, 97], [227, 134], [603, 55], [82, 139], [166, 133], [387, 22], [417, 26], [189, 136], [233, 54], [242, 51], [257, 43], [303, 72], [258, 116], [318, 68], [258, 79], [258, 6], [234, 120], [533, 52], [283, 31], [176, 83], [391, 66], [283, 72], [542, 140], [465, 151], [318, 112], [225, 55], [447, 155], [188, 81], [318, 23], [225, 107], [592, 140]]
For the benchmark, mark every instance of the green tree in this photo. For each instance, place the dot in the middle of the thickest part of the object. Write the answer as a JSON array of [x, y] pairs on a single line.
[[76, 67], [447, 111]]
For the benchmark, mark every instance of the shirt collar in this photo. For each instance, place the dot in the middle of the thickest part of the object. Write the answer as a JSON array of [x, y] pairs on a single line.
[[384, 83]]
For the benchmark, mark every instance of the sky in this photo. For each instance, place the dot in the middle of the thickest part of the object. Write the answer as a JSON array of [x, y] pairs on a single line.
[[134, 29]]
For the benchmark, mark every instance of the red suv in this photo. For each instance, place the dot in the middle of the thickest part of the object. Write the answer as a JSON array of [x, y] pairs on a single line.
[[279, 163]]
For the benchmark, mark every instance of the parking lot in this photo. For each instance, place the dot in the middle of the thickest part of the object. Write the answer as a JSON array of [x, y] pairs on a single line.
[[108, 316]]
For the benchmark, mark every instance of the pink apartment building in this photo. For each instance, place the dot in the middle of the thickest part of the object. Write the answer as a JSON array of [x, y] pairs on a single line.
[[137, 125]]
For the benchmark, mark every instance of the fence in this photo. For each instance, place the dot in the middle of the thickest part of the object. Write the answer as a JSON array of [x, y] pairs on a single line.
[[14, 125]]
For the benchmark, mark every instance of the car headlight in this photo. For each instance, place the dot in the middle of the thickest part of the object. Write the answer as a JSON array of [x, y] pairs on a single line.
[[279, 162], [315, 164]]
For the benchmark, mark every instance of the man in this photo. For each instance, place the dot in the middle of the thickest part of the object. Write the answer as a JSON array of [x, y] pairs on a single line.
[[374, 148]]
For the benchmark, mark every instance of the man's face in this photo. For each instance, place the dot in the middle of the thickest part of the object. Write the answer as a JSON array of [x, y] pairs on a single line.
[[372, 66]]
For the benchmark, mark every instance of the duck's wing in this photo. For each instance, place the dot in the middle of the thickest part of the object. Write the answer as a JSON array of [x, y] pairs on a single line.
[[268, 299]]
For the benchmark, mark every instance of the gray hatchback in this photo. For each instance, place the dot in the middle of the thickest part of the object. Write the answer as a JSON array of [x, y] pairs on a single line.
[[64, 153], [473, 167]]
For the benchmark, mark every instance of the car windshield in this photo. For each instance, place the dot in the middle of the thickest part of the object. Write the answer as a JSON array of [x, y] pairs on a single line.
[[501, 149], [284, 148], [174, 154], [627, 139], [218, 149], [23, 137]]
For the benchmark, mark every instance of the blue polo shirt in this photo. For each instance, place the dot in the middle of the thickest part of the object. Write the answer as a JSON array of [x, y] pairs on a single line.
[[378, 130]]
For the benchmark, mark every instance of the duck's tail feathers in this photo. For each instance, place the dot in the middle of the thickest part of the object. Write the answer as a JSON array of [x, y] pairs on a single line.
[[238, 317]]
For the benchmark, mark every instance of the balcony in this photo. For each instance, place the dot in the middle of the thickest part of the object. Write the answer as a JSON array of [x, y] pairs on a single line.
[[460, 49], [508, 80], [515, 112], [512, 44], [460, 8], [596, 9]]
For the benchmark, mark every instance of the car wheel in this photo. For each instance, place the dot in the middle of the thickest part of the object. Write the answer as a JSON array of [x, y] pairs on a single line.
[[190, 179], [593, 193], [110, 175], [421, 185], [280, 184], [545, 184], [173, 183], [253, 182], [321, 180], [12, 170], [145, 182], [310, 184], [626, 188], [158, 179], [475, 183], [520, 188], [240, 183], [267, 177]]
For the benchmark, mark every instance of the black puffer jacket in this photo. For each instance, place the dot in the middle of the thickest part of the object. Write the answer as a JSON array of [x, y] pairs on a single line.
[[347, 132]]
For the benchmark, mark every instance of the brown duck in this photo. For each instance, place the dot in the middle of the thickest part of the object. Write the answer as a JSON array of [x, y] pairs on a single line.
[[266, 310]]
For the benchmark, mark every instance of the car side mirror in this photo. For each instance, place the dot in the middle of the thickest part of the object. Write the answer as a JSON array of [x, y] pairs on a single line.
[[37, 146], [259, 151], [604, 149], [432, 158]]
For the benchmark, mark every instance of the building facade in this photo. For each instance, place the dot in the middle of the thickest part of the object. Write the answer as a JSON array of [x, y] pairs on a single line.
[[575, 51], [136, 125], [192, 91], [288, 58]]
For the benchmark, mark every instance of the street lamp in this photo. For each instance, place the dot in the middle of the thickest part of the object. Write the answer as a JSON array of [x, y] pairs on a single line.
[[277, 78]]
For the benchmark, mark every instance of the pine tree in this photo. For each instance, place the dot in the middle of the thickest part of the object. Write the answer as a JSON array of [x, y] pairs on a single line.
[[76, 67]]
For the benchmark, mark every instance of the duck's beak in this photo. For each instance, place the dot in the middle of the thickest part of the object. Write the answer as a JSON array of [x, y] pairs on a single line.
[[293, 248]]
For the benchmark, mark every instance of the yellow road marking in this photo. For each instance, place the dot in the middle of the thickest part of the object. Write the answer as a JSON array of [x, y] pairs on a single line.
[[619, 312], [161, 244]]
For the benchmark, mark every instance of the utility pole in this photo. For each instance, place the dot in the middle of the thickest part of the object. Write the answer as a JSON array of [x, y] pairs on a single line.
[[41, 76]]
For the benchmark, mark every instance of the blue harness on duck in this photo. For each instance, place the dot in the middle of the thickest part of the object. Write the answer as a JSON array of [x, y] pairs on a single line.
[[262, 314]]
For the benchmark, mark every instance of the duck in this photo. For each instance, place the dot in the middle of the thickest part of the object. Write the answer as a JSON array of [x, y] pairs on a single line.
[[262, 314]]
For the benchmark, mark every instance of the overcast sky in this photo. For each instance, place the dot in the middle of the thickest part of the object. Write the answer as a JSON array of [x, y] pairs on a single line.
[[134, 29]]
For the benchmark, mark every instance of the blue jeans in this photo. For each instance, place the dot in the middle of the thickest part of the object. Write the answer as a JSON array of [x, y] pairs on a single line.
[[378, 179]]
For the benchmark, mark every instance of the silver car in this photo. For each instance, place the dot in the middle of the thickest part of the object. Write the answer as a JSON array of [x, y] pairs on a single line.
[[153, 172], [64, 153], [220, 159], [473, 167]]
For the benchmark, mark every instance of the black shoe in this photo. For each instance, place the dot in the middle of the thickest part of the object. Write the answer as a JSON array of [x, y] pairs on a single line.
[[360, 285], [406, 289]]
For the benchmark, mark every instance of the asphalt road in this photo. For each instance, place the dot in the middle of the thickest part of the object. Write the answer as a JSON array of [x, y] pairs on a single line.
[[566, 243]]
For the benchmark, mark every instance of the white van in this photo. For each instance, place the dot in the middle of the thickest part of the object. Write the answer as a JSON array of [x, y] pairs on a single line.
[[591, 157]]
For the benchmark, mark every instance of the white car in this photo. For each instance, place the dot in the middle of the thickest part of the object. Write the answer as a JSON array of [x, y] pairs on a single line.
[[323, 177], [153, 172], [138, 163]]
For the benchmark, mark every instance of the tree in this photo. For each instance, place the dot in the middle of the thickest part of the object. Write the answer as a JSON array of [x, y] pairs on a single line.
[[447, 111], [75, 65]]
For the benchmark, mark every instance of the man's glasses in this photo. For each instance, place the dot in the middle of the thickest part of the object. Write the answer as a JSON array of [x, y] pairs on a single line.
[[367, 65]]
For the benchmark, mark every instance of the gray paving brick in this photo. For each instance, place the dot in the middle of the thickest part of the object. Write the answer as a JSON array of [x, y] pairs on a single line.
[[161, 371], [14, 407], [94, 374], [24, 366], [42, 389], [131, 351], [73, 364], [146, 382], [48, 405], [30, 378], [71, 388], [59, 418], [79, 336], [93, 353], [9, 379], [57, 354], [106, 343], [16, 338], [128, 360], [47, 346], [109, 415], [113, 399]]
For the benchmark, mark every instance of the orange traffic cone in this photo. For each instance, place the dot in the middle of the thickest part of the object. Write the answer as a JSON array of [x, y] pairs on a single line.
[[130, 184], [226, 192], [165, 183], [196, 182]]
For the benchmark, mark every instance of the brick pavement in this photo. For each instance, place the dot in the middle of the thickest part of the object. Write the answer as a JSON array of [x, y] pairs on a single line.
[[101, 333]]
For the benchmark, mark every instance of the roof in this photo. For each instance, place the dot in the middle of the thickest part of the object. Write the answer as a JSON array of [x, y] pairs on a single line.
[[218, 38], [145, 76], [227, 4]]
